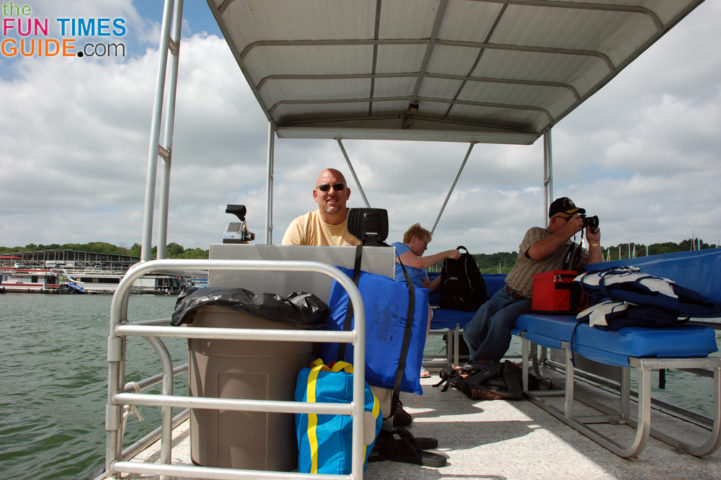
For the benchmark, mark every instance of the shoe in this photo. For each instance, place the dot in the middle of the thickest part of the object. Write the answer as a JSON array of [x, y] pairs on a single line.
[[426, 443], [401, 446], [401, 418], [425, 373]]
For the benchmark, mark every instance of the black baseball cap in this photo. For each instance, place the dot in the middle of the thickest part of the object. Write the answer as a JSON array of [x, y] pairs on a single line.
[[564, 205]]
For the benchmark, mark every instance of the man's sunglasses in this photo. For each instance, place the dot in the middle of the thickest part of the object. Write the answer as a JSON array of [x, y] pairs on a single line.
[[338, 187]]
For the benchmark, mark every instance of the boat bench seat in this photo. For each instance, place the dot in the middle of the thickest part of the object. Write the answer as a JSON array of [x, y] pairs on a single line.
[[451, 322], [615, 347], [643, 349]]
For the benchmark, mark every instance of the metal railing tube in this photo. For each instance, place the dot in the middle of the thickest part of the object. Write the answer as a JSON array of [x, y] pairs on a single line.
[[119, 328], [150, 382], [182, 471], [167, 389], [221, 333], [235, 404]]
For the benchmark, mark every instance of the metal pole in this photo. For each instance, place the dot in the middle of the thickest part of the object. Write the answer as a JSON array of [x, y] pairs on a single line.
[[547, 173], [166, 152], [269, 186], [453, 186], [352, 172], [155, 133]]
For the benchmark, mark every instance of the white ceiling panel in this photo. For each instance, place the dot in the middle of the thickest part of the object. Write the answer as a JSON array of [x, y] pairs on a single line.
[[502, 71]]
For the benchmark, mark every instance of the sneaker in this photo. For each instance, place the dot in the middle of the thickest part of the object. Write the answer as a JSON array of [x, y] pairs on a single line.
[[425, 373]]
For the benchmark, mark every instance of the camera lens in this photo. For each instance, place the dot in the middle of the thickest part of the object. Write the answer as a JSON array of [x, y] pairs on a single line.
[[591, 222]]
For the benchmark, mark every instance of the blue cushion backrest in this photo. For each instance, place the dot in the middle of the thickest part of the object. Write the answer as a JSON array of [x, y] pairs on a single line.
[[698, 270]]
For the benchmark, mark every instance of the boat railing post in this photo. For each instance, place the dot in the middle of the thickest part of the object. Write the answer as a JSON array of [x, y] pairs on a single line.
[[166, 439]]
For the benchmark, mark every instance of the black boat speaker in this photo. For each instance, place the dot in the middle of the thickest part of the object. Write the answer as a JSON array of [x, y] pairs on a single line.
[[369, 225]]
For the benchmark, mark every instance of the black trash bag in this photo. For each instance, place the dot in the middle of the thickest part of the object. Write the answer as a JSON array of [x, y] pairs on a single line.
[[299, 309]]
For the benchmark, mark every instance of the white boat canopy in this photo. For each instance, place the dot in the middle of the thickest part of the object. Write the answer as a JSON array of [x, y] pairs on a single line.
[[477, 71], [491, 71]]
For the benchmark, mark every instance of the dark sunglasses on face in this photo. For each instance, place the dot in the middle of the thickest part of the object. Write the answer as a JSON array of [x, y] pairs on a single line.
[[338, 187]]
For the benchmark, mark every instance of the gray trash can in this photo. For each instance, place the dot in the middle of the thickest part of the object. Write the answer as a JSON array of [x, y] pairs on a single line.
[[246, 369], [258, 370]]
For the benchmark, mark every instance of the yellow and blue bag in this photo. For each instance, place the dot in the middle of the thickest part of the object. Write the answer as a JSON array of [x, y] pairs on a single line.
[[324, 441]]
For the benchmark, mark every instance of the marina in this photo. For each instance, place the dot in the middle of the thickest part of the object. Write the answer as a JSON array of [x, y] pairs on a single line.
[[76, 272]]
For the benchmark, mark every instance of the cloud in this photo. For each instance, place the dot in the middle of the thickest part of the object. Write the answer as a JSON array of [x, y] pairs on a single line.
[[642, 154]]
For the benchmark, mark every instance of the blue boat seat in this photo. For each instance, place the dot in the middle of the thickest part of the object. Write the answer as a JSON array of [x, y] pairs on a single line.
[[616, 347], [643, 349], [450, 321]]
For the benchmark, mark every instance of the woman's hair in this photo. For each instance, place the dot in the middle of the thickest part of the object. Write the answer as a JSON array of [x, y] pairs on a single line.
[[418, 231]]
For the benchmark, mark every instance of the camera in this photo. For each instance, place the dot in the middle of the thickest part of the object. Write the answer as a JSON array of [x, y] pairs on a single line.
[[590, 222], [237, 232]]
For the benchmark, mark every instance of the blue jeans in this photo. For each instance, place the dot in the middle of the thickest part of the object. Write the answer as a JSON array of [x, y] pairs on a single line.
[[488, 333]]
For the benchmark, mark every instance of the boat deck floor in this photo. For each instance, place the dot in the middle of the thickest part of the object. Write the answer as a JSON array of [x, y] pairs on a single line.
[[508, 440]]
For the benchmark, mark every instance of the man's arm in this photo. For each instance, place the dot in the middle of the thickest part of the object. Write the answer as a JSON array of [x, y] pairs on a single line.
[[546, 246], [595, 254]]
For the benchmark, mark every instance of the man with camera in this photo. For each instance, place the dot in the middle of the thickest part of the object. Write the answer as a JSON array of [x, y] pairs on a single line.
[[488, 333]]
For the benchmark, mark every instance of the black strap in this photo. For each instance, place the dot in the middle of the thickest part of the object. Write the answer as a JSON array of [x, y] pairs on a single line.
[[570, 345], [349, 311], [576, 297], [406, 339], [406, 334]]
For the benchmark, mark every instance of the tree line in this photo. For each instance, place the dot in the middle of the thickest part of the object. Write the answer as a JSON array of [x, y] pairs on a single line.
[[172, 250], [500, 262]]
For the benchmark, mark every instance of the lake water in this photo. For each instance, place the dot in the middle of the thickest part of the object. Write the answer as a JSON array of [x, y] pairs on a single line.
[[53, 377]]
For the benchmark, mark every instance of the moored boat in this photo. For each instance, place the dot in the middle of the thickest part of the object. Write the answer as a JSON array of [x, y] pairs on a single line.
[[28, 275], [16, 278]]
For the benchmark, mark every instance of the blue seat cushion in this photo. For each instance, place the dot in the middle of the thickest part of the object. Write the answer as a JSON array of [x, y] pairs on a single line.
[[615, 347], [445, 318]]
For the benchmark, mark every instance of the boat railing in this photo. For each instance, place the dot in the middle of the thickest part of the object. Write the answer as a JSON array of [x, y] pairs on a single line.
[[606, 378], [122, 396], [151, 437]]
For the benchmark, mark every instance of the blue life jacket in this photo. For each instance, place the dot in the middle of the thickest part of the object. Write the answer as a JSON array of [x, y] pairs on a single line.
[[641, 289]]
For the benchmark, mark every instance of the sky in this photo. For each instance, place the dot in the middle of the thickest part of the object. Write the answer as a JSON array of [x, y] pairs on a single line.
[[644, 153]]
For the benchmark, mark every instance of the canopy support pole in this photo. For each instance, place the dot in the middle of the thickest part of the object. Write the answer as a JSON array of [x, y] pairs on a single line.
[[166, 153], [155, 149], [453, 186], [352, 172], [547, 173], [269, 186]]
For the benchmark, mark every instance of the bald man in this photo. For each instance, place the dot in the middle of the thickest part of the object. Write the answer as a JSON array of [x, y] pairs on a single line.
[[328, 224]]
